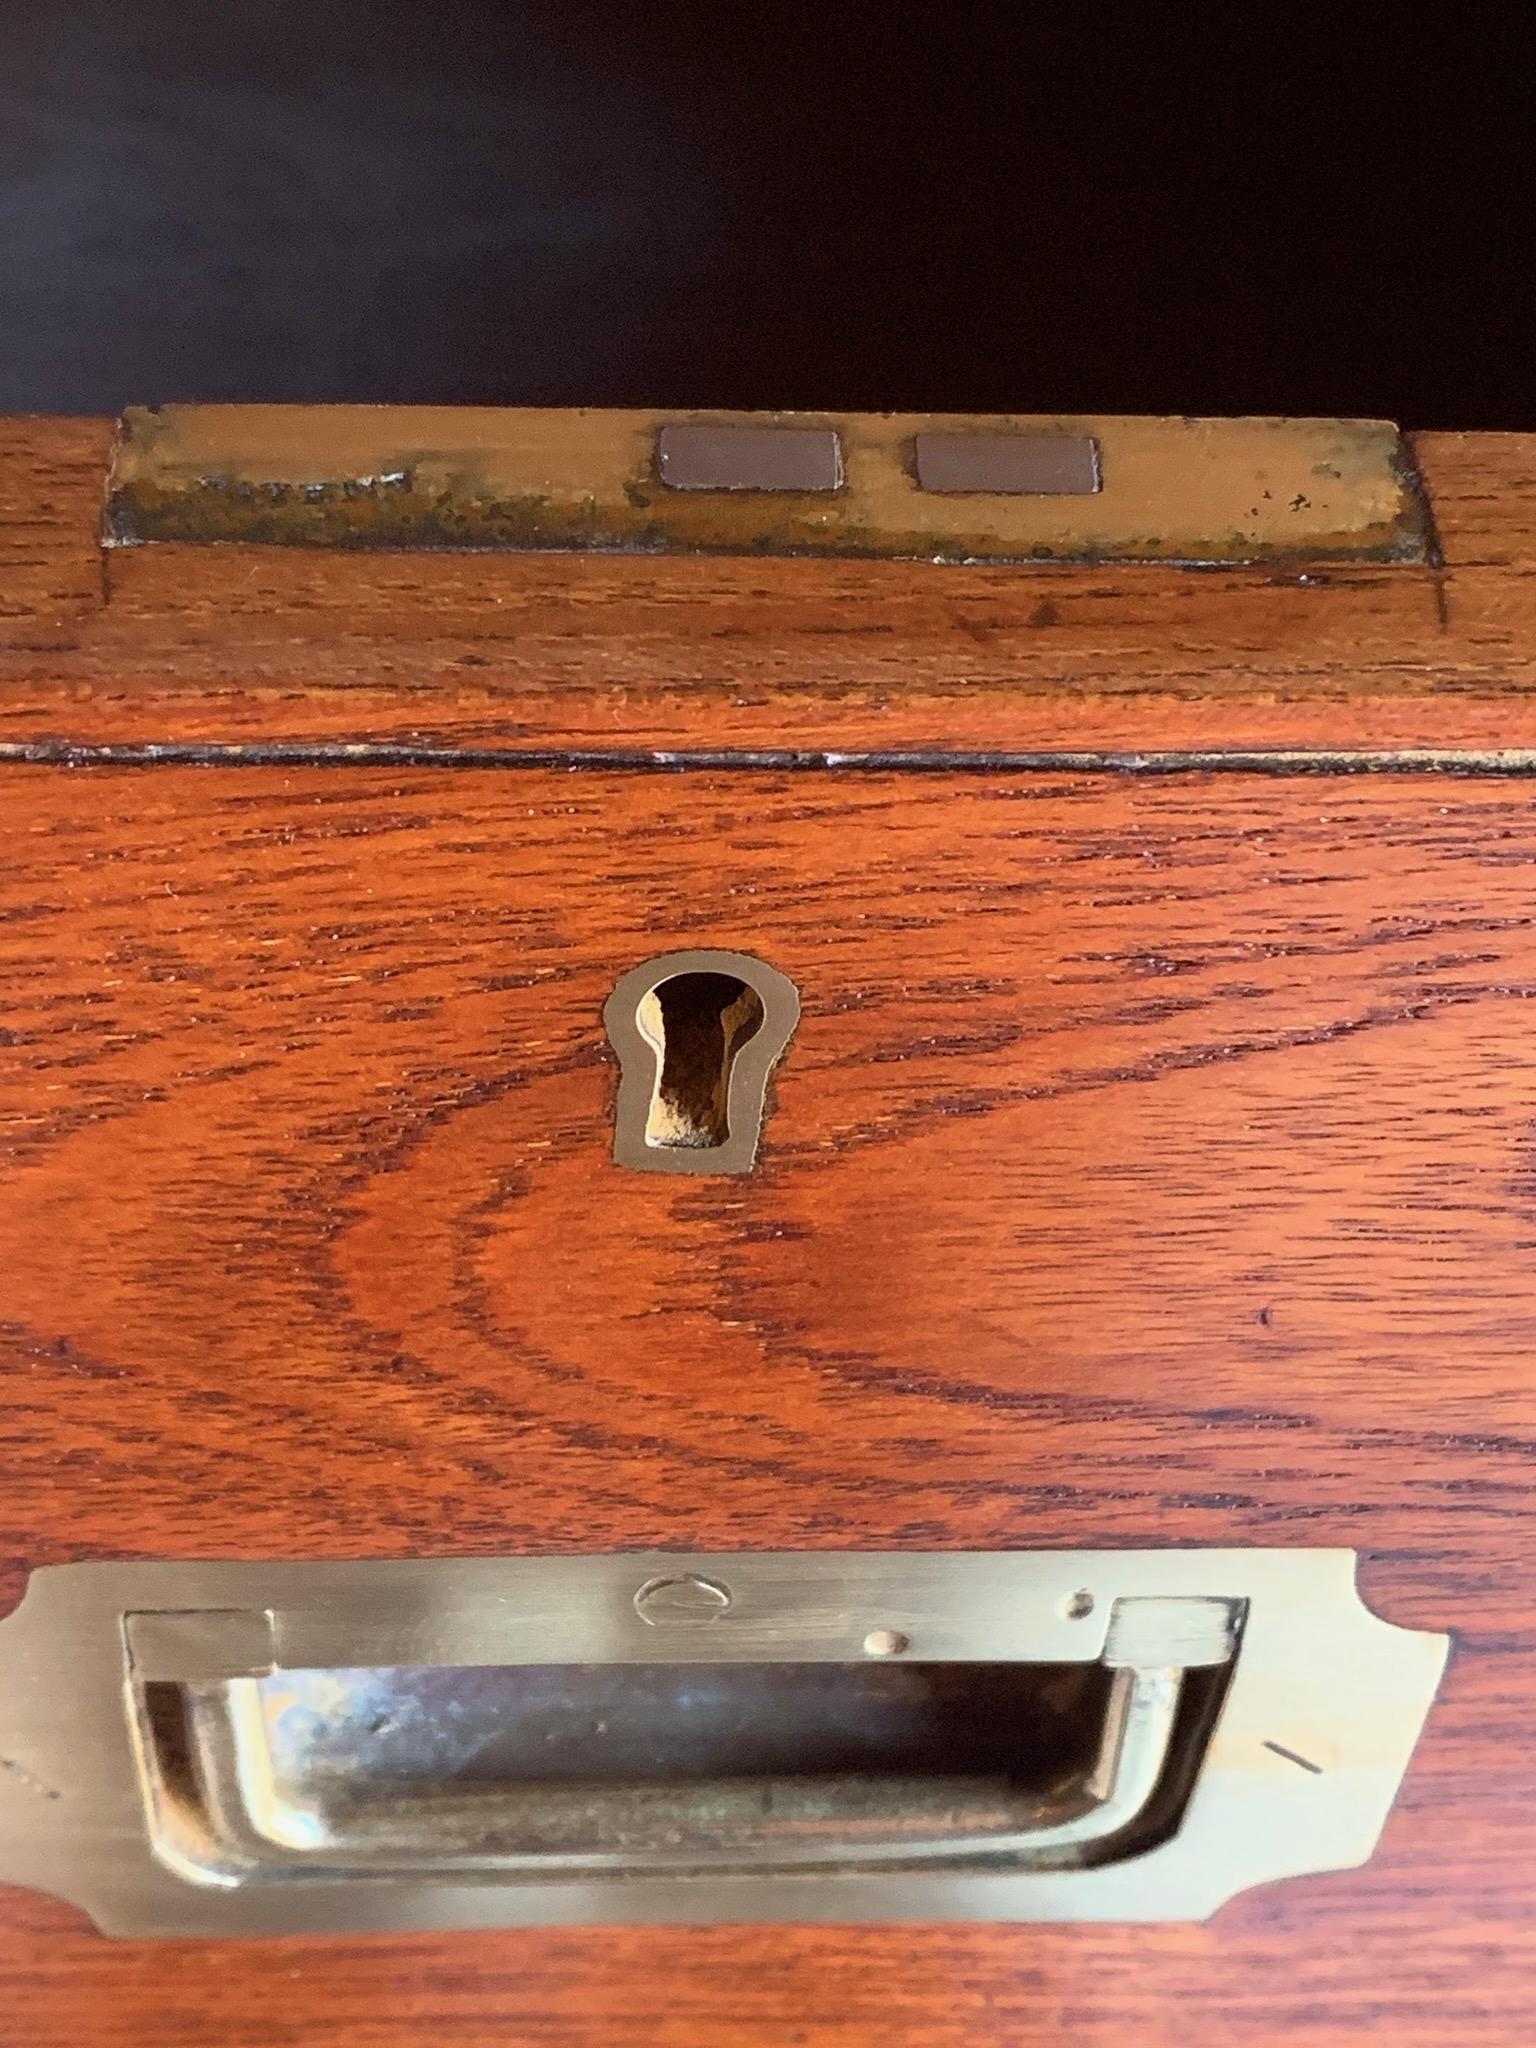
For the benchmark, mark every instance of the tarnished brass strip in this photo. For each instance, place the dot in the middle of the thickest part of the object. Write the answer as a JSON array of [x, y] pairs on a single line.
[[1180, 491]]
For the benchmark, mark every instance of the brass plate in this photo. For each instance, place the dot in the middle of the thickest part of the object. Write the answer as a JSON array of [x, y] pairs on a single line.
[[1207, 1720], [1200, 492]]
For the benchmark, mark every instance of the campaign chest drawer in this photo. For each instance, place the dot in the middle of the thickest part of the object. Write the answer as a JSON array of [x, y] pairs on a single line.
[[1147, 1164]]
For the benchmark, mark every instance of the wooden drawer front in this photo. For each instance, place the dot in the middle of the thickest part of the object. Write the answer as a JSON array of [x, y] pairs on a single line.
[[1151, 1163]]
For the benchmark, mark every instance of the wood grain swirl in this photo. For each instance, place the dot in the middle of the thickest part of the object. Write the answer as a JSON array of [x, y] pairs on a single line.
[[1152, 1163]]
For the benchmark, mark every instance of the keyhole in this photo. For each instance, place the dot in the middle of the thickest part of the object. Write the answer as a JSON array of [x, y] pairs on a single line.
[[697, 1035], [697, 1023]]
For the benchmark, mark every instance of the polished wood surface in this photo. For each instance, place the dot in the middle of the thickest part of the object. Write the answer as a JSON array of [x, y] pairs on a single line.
[[1152, 1163]]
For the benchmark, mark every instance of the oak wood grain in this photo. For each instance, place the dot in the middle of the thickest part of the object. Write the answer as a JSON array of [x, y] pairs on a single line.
[[1152, 1163], [52, 477]]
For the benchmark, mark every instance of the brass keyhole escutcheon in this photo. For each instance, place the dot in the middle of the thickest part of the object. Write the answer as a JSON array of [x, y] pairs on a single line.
[[697, 1035]]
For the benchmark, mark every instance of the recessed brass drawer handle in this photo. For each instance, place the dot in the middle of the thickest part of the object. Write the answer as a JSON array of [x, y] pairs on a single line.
[[222, 1749], [236, 1798]]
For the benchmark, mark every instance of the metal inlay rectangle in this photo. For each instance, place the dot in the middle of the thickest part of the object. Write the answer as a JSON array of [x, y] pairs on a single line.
[[1016, 465], [707, 458]]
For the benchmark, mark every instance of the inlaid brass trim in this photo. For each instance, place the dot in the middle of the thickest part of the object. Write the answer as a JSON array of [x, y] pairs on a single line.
[[1209, 1720], [933, 487]]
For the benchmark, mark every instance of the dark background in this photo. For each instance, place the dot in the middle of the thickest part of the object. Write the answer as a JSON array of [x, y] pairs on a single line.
[[1161, 209]]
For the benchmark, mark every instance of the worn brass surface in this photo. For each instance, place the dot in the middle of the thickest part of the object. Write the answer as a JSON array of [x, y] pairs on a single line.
[[1203, 492], [249, 1780], [190, 1752]]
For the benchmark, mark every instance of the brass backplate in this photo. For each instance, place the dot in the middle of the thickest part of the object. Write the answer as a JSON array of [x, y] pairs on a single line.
[[220, 1748]]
